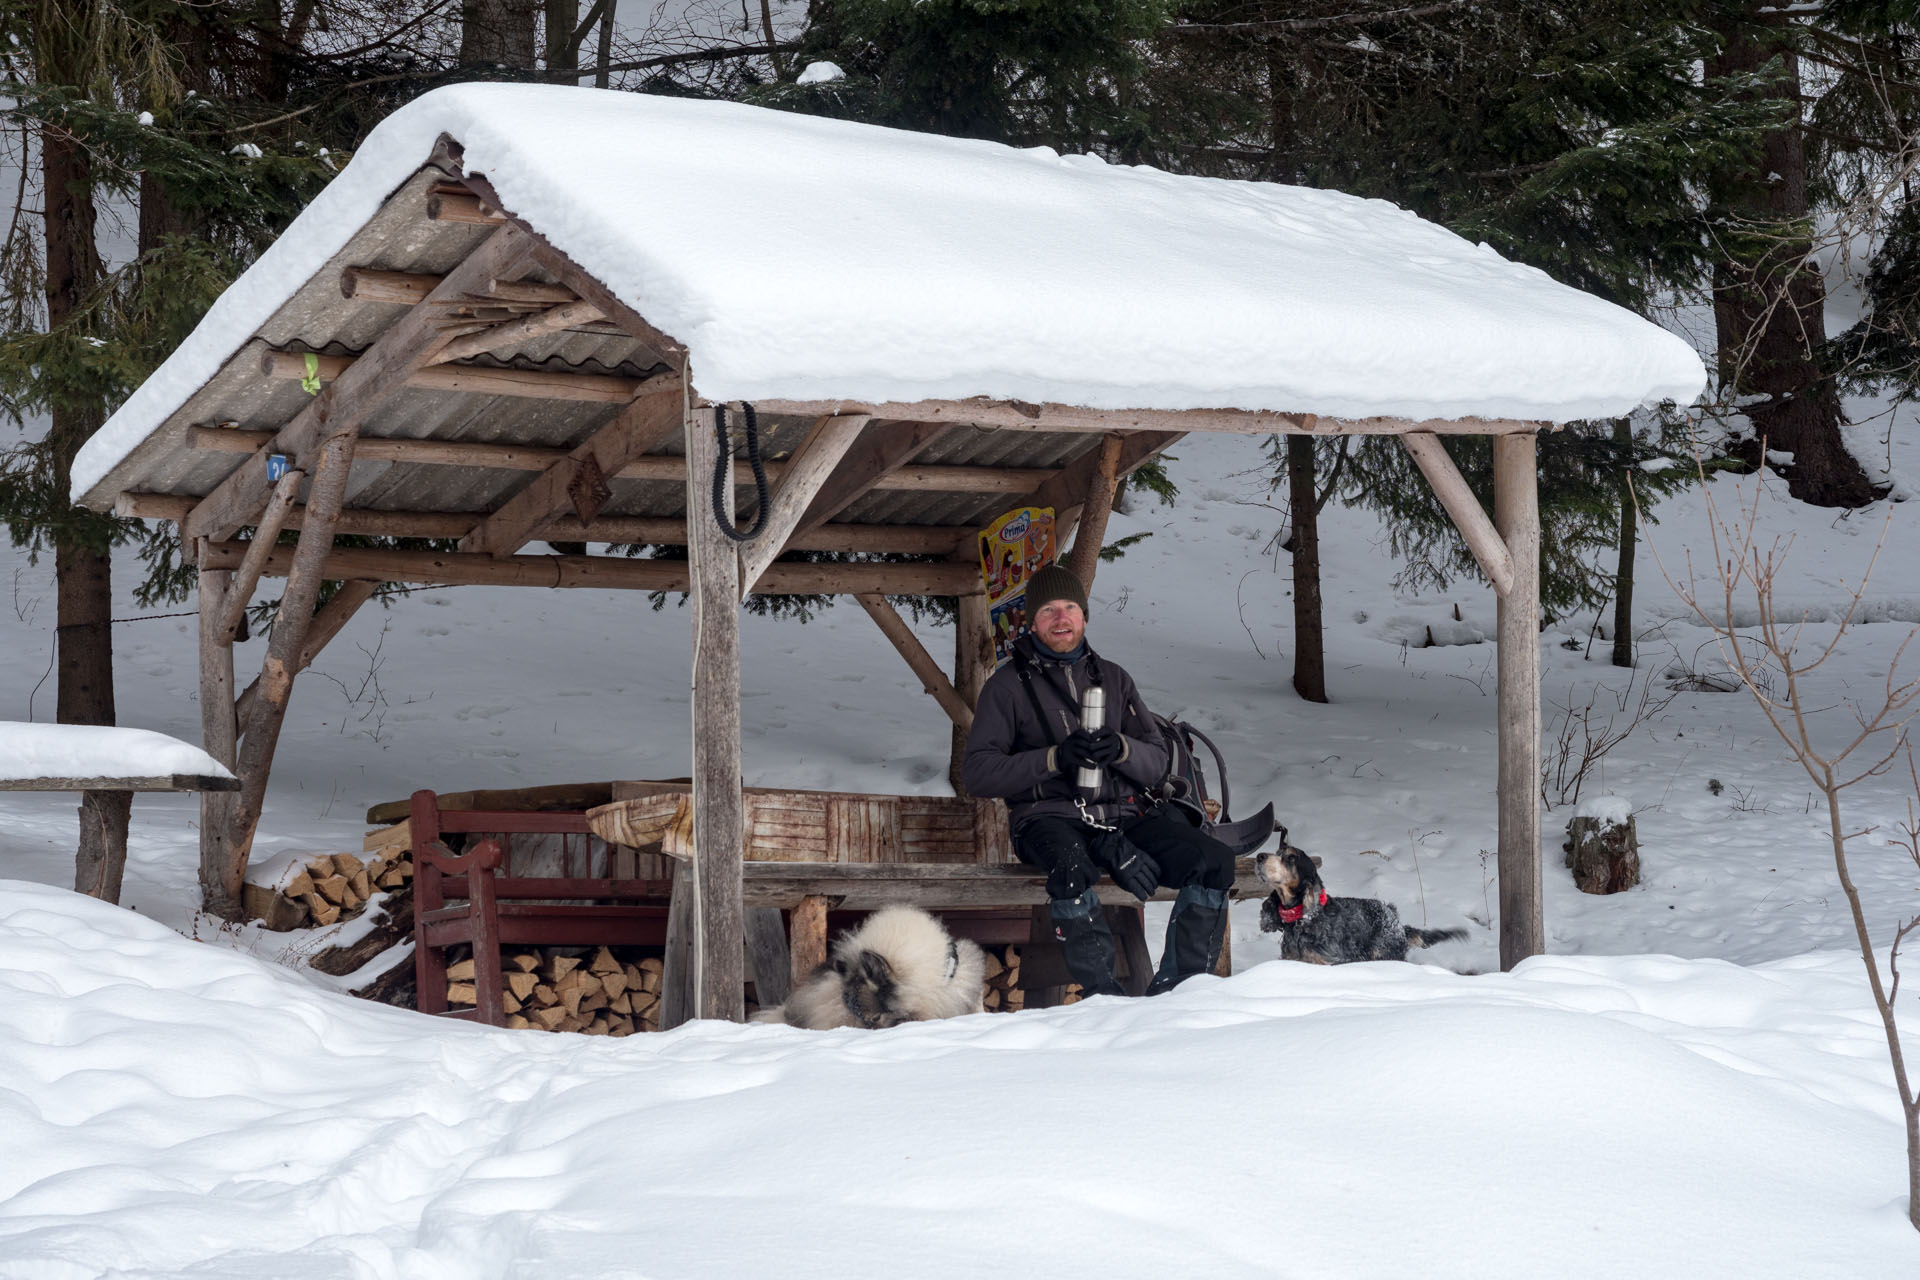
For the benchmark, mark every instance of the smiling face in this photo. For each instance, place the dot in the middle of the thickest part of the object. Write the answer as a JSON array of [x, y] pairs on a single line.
[[1059, 625]]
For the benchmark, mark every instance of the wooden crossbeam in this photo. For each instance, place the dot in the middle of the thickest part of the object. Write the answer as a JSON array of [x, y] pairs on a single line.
[[408, 288], [914, 477], [532, 384], [328, 621], [158, 782], [639, 427], [883, 448], [932, 678], [234, 606], [811, 466], [1488, 547], [1021, 416], [905, 539], [514, 332], [609, 572], [344, 404]]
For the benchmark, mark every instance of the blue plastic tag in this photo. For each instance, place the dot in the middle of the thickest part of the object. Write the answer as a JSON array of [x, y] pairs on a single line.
[[276, 467]]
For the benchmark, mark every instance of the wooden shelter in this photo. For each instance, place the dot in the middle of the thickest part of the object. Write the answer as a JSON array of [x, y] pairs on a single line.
[[452, 372]]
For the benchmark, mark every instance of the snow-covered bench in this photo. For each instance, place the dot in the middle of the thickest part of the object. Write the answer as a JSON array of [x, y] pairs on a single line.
[[86, 757]]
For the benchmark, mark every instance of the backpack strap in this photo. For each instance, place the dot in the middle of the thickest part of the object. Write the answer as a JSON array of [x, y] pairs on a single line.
[[1024, 665], [1219, 763]]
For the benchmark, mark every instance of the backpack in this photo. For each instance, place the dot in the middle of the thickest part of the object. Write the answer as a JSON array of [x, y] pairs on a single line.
[[1186, 786]]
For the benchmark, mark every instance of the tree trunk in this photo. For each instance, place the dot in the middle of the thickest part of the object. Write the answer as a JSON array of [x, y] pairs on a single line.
[[1309, 648], [498, 32], [563, 55], [1769, 305], [1629, 545]]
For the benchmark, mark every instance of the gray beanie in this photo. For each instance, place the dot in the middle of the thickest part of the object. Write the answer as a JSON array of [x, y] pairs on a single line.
[[1053, 583]]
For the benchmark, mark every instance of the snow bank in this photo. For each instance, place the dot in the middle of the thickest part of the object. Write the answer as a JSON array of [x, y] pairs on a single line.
[[175, 1109], [800, 257], [97, 751]]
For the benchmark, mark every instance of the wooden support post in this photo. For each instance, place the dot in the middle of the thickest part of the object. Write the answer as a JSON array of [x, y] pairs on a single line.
[[718, 817], [1516, 501], [932, 678], [808, 469], [767, 955], [972, 664], [1451, 488], [1084, 560], [807, 938], [219, 736], [265, 534], [269, 709], [327, 623]]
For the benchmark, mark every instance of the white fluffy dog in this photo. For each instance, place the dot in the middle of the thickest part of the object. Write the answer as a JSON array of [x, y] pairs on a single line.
[[900, 965]]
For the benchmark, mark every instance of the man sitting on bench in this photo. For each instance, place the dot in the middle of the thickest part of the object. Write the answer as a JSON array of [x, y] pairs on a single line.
[[1028, 744]]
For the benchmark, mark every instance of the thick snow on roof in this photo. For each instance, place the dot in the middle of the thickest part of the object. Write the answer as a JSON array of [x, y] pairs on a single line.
[[29, 751], [805, 258]]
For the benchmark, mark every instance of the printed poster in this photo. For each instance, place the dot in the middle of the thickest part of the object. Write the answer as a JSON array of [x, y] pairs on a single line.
[[1012, 549]]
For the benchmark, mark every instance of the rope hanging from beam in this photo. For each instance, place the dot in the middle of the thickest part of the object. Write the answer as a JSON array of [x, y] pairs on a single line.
[[723, 474]]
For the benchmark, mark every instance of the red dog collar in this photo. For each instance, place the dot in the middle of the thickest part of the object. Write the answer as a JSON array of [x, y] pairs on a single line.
[[1291, 915]]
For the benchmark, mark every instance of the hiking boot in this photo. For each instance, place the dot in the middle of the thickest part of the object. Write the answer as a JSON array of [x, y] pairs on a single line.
[[1194, 933], [1086, 942]]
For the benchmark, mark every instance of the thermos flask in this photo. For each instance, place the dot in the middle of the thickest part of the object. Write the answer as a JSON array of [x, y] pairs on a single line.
[[1093, 718]]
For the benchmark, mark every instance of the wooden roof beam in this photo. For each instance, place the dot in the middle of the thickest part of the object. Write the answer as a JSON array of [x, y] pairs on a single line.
[[809, 469], [407, 288], [642, 425], [362, 564], [341, 406], [514, 332], [921, 477], [1022, 416], [533, 384], [883, 448], [1488, 547]]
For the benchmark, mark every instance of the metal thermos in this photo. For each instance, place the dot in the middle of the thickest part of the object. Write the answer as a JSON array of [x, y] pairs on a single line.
[[1093, 718]]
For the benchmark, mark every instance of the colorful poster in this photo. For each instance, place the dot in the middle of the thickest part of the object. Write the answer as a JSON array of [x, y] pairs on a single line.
[[1011, 549]]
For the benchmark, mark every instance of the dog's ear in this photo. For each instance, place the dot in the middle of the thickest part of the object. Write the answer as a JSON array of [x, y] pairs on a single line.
[[1316, 859], [875, 971]]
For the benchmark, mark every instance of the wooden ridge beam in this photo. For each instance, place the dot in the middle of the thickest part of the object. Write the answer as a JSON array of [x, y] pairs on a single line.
[[1019, 415], [905, 539], [1469, 517], [344, 404], [914, 477], [641, 426], [436, 568], [532, 384], [811, 466], [932, 678]]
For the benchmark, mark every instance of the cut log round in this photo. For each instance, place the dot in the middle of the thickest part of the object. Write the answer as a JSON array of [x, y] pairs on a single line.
[[1604, 854]]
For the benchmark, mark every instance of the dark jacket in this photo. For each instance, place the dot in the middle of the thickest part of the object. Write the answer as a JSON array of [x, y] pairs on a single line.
[[1010, 752]]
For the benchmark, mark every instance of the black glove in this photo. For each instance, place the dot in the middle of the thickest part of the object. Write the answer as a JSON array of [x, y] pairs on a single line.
[[1132, 867], [1108, 746], [1079, 751]]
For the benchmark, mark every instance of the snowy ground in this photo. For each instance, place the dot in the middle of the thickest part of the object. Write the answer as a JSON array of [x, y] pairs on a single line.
[[1690, 1084]]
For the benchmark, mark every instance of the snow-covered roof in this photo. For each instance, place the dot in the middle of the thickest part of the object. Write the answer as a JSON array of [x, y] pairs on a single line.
[[50, 754], [801, 258]]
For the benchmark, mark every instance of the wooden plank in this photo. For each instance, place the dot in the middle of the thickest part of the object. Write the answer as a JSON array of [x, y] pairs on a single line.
[[529, 384], [515, 332], [811, 465], [767, 957], [1020, 416], [807, 937], [1516, 507], [718, 809], [154, 782], [992, 834], [344, 404], [240, 591], [637, 428], [559, 796], [883, 448], [677, 992], [1457, 497], [932, 678], [910, 539], [933, 886], [786, 826], [1084, 560], [863, 829], [605, 572]]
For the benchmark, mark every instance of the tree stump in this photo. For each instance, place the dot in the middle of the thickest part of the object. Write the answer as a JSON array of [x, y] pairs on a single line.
[[1604, 853]]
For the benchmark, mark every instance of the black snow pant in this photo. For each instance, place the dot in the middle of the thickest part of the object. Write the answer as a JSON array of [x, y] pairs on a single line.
[[1190, 860]]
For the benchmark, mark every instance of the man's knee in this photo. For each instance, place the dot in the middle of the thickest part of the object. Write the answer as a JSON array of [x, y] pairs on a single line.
[[1070, 878], [1059, 848]]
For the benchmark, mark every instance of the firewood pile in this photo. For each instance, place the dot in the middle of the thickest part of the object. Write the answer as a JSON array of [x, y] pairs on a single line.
[[1003, 981], [329, 888], [545, 989]]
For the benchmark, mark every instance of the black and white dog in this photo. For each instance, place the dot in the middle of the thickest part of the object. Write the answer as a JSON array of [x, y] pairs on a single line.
[[900, 965], [1323, 930]]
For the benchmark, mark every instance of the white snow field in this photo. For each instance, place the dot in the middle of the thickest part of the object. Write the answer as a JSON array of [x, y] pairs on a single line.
[[1691, 1084]]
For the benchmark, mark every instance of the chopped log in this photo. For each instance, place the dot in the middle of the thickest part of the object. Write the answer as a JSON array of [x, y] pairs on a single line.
[[520, 983], [613, 983], [559, 966], [324, 912], [361, 884], [544, 994], [333, 889], [1604, 854], [273, 909], [516, 1022], [621, 1003], [460, 970], [398, 836], [525, 961], [346, 864], [509, 1003], [320, 866], [460, 993], [603, 963], [549, 1017], [300, 886]]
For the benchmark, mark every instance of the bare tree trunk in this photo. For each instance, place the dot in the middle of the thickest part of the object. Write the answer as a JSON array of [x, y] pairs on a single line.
[[1309, 645], [498, 32], [1769, 306], [1629, 546], [563, 55]]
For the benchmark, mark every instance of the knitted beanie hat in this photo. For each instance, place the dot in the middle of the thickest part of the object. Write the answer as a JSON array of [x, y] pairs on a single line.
[[1053, 583]]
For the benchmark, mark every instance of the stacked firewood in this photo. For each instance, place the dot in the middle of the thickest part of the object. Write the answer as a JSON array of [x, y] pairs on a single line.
[[328, 888], [547, 990], [1003, 976]]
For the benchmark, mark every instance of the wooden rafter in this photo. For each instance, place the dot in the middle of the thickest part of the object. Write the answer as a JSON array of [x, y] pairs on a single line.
[[914, 477], [1067, 491], [811, 466], [328, 621], [611, 572], [1468, 516], [530, 384], [344, 404], [536, 324], [237, 594], [932, 678], [883, 448], [408, 288], [634, 430], [1084, 560]]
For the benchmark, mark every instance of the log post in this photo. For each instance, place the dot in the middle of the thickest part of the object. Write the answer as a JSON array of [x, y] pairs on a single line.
[[1084, 560], [972, 664], [1516, 500], [219, 734], [807, 937], [265, 534], [718, 814], [269, 709]]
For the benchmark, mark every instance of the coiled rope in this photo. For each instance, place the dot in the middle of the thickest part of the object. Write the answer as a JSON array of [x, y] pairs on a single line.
[[723, 474]]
